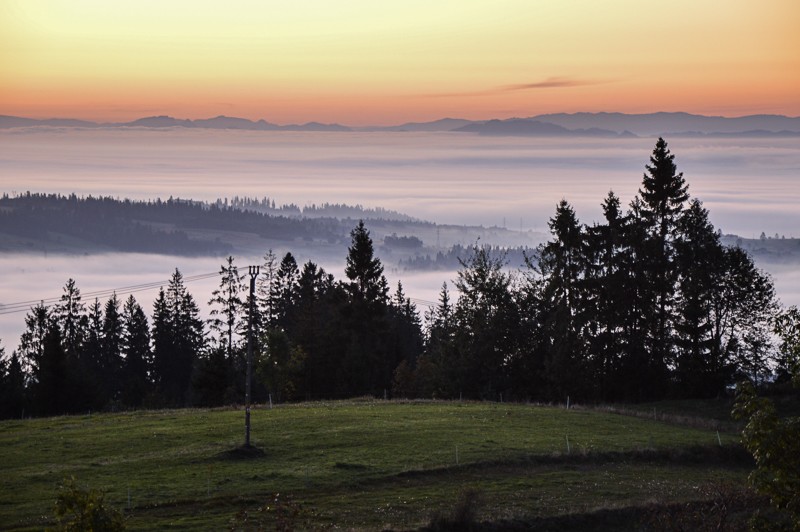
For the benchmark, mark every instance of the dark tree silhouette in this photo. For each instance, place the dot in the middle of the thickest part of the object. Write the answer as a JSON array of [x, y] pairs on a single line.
[[135, 348]]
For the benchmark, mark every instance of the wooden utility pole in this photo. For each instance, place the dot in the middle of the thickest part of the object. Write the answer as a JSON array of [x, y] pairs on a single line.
[[253, 270]]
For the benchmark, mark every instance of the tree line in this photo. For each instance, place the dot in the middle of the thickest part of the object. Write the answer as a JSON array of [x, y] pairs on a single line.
[[315, 337], [644, 305]]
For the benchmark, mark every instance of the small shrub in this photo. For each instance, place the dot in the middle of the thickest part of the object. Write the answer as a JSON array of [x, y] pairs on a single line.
[[85, 510]]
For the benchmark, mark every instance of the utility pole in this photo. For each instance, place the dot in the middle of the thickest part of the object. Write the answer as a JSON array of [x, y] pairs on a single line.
[[253, 271]]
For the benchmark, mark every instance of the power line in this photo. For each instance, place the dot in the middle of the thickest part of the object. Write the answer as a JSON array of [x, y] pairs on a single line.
[[24, 306], [423, 302]]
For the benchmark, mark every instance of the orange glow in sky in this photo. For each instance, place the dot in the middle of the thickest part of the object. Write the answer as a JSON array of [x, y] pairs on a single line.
[[362, 62]]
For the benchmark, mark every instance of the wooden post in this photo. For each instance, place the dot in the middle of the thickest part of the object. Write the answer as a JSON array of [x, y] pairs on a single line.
[[253, 271]]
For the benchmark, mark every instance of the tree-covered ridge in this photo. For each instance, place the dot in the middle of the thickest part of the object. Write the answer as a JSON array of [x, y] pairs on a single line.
[[646, 305], [323, 210], [147, 226]]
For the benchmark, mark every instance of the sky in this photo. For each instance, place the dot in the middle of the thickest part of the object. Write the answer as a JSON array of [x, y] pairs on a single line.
[[362, 62]]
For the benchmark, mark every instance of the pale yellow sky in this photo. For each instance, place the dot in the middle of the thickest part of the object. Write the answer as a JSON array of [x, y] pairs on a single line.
[[366, 62]]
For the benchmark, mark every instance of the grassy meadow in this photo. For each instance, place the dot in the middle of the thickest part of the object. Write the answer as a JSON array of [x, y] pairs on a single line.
[[358, 464]]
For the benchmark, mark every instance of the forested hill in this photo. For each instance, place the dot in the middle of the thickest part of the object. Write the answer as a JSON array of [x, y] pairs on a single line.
[[173, 226], [71, 224]]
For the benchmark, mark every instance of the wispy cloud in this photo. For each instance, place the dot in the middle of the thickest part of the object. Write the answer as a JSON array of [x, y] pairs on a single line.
[[549, 83]]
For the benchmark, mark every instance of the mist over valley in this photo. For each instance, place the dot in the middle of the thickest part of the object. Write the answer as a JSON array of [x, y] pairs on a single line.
[[443, 188]]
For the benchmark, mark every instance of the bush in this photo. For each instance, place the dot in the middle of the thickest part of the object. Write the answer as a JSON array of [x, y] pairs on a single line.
[[85, 510]]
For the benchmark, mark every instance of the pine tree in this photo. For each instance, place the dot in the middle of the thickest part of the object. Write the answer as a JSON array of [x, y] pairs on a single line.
[[367, 367], [607, 298], [266, 290], [663, 193], [111, 361], [405, 331], [227, 305], [135, 347], [177, 341], [12, 386], [563, 263], [364, 270], [284, 295], [52, 390], [31, 344], [486, 319], [70, 313], [699, 260], [432, 372], [89, 367]]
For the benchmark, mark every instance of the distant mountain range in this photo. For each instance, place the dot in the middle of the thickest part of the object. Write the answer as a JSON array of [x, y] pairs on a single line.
[[219, 122], [607, 125]]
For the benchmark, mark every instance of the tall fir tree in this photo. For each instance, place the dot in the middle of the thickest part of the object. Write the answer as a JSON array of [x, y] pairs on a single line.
[[12, 386], [364, 270], [70, 312], [266, 290], [366, 368], [111, 366], [486, 320], [178, 339], [664, 194], [52, 387], [563, 265], [698, 258], [31, 343], [608, 299], [227, 306], [284, 294], [135, 348]]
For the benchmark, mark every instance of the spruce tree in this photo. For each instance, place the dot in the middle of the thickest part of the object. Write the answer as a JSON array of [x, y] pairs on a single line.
[[284, 295], [699, 262], [366, 366], [486, 320], [89, 365], [31, 343], [266, 290], [663, 194], [607, 298], [178, 339], [562, 265], [12, 386], [111, 366], [364, 270], [70, 313], [135, 347], [52, 388], [227, 305]]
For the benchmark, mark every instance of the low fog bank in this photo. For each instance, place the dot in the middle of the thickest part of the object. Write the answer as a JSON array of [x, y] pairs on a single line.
[[31, 278], [748, 184]]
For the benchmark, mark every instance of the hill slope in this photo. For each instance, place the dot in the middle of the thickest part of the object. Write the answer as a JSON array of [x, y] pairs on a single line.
[[368, 464]]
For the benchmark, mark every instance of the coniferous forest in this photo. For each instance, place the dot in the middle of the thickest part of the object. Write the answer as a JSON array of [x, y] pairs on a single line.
[[648, 304]]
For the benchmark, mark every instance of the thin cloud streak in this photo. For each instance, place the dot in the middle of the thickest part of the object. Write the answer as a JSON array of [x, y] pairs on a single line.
[[549, 83]]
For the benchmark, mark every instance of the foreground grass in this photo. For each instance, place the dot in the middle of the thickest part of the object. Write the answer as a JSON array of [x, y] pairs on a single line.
[[370, 464]]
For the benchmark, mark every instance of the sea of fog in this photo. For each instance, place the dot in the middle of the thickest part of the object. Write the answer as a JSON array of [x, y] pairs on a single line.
[[748, 185]]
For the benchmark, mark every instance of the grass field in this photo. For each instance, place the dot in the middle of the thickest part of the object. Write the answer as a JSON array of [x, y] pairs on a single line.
[[358, 464]]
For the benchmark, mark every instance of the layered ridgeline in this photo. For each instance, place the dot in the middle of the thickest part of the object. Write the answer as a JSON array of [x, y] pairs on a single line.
[[547, 125], [645, 305], [33, 222]]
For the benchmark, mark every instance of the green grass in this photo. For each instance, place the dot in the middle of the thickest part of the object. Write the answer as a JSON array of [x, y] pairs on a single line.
[[367, 464]]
